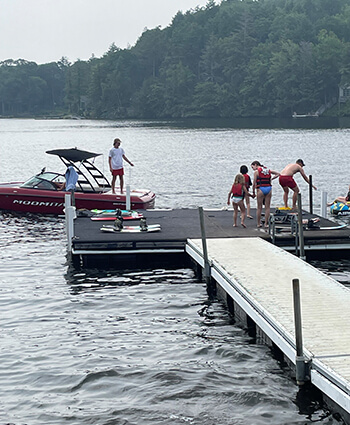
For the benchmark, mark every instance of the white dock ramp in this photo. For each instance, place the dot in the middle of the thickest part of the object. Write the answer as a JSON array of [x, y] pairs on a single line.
[[258, 276]]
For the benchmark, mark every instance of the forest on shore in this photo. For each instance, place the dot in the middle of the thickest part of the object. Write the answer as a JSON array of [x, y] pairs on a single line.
[[239, 58]]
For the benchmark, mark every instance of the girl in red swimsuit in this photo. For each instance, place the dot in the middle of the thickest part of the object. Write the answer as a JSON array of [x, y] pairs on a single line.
[[236, 195], [244, 170]]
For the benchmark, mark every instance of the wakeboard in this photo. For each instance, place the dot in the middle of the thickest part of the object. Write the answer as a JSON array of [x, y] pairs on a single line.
[[109, 215], [132, 229], [341, 226], [287, 229]]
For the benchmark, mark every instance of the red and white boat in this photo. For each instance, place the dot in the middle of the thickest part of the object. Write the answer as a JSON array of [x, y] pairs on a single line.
[[45, 192]]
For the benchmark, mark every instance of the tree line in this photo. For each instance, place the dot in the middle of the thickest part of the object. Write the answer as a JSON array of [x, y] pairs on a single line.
[[234, 59]]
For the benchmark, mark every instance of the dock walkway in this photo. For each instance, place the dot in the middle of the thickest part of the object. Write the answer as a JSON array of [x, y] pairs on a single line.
[[261, 284]]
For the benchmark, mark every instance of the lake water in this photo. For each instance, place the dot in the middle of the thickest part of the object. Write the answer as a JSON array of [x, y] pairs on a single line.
[[144, 347]]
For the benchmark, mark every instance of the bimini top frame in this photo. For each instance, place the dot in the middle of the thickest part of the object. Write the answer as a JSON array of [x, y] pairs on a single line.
[[90, 178]]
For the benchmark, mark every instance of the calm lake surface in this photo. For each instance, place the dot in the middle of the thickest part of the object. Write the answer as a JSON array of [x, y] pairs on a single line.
[[144, 347]]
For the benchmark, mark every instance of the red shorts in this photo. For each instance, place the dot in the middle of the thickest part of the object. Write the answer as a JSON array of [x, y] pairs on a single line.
[[287, 181], [119, 172]]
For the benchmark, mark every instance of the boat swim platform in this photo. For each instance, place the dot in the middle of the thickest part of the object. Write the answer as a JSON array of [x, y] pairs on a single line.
[[256, 277], [177, 225]]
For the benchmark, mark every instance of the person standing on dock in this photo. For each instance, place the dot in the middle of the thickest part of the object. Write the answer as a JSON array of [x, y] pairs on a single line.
[[115, 159], [236, 195], [287, 181], [244, 171], [262, 186]]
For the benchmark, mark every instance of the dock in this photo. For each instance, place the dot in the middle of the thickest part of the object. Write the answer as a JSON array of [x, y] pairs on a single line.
[[251, 270], [90, 246], [261, 291]]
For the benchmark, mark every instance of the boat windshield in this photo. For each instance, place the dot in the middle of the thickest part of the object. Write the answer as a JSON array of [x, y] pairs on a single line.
[[46, 181]]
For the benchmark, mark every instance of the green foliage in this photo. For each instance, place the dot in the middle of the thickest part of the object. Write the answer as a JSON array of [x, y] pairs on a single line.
[[238, 58]]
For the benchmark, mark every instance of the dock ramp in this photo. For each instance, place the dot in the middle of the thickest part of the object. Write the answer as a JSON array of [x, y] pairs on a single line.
[[258, 276]]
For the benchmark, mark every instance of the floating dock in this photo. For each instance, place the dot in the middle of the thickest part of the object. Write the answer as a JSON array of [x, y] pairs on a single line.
[[252, 275], [92, 247]]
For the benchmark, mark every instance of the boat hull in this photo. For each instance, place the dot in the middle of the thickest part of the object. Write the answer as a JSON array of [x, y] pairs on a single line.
[[14, 198]]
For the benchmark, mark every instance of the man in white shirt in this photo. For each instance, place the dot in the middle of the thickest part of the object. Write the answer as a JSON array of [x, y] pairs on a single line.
[[115, 159]]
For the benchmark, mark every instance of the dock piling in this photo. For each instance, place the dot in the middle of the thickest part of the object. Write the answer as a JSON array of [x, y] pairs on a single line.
[[205, 249], [324, 204], [311, 208], [70, 216], [301, 365], [128, 198], [301, 230]]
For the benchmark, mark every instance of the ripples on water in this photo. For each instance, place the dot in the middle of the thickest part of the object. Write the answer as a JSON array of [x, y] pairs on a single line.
[[141, 347], [131, 347]]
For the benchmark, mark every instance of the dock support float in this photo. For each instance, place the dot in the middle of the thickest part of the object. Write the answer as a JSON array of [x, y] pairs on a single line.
[[302, 373]]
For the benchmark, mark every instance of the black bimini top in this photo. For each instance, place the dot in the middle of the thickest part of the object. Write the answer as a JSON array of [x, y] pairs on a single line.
[[73, 155]]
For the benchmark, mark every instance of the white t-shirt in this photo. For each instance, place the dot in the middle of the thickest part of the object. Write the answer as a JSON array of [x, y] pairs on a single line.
[[117, 158]]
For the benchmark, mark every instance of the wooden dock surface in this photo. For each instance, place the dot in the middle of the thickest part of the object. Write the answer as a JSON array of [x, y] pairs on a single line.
[[262, 274]]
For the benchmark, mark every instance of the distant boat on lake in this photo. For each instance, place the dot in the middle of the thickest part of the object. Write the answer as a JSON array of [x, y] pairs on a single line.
[[309, 115]]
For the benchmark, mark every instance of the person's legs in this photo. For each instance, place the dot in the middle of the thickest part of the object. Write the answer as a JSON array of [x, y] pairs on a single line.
[[341, 199], [242, 208], [235, 213], [121, 177], [113, 183], [267, 207], [295, 197], [285, 196], [259, 199]]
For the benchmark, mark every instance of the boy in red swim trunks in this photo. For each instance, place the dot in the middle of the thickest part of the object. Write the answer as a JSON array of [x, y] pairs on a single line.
[[115, 159], [287, 181]]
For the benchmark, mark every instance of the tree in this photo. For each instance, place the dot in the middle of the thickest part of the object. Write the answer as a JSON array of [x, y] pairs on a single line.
[[179, 84]]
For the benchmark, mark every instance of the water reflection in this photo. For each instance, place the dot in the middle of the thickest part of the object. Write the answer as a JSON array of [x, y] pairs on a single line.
[[338, 270], [310, 403], [95, 279], [248, 123]]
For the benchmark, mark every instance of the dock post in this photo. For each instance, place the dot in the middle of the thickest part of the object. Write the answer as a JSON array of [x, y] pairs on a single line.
[[301, 365], [301, 230], [70, 216], [128, 198], [311, 209], [272, 228], [324, 204], [204, 246]]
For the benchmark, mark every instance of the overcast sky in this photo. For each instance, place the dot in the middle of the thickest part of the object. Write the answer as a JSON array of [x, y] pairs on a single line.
[[45, 30]]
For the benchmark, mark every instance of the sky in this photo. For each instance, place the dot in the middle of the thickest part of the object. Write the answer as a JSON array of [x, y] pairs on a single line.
[[43, 31]]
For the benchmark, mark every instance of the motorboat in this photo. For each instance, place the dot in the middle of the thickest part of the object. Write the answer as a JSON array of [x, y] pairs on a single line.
[[45, 192], [310, 115]]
